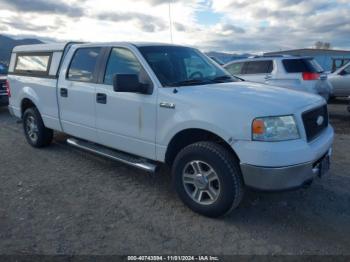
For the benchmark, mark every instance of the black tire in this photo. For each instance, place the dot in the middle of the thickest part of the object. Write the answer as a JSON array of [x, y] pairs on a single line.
[[228, 172], [43, 135]]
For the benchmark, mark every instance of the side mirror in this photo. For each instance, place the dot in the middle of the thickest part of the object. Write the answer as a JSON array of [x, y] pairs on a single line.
[[128, 83]]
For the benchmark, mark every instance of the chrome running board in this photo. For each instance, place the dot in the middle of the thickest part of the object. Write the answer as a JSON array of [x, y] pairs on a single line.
[[122, 157]]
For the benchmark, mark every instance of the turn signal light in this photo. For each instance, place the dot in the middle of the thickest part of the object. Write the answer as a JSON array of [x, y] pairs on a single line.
[[258, 127]]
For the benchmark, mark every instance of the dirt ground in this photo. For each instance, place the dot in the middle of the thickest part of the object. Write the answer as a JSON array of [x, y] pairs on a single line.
[[60, 200]]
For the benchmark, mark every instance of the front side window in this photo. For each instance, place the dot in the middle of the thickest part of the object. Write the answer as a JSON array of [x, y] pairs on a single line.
[[235, 68], [30, 63], [347, 70], [122, 61], [83, 64], [180, 66], [258, 67]]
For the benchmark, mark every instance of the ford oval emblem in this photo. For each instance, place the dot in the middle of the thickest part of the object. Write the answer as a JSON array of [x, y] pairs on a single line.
[[320, 120]]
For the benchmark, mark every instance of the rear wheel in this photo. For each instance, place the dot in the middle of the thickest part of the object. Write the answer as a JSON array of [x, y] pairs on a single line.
[[208, 179], [35, 131]]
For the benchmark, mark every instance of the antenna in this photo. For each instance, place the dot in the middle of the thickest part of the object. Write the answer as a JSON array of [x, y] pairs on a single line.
[[170, 22]]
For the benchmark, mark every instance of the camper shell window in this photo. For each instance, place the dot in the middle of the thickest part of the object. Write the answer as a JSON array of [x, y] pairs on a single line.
[[33, 64]]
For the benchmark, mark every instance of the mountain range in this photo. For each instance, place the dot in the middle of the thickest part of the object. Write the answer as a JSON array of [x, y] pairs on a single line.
[[8, 43]]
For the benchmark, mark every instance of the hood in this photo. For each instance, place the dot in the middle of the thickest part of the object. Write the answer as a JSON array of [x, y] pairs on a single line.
[[268, 100]]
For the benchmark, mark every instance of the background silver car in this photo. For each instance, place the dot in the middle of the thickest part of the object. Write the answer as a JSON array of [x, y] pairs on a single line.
[[340, 81]]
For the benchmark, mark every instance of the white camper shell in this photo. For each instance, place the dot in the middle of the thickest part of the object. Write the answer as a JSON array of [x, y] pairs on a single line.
[[38, 60]]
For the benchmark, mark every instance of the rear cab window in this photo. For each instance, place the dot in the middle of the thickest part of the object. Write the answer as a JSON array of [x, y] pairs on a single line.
[[258, 67], [33, 64], [83, 65], [301, 65]]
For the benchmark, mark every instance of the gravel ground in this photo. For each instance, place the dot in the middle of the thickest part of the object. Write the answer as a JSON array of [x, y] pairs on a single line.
[[60, 200]]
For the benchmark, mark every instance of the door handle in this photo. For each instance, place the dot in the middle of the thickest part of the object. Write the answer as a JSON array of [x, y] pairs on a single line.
[[101, 98], [64, 92]]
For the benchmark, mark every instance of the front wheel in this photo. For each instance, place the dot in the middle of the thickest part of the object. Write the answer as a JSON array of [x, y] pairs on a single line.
[[35, 131], [208, 179]]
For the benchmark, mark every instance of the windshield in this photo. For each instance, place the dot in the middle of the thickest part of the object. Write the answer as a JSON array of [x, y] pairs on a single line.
[[180, 66]]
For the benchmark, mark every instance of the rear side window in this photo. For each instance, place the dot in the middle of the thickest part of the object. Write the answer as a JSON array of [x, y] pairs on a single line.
[[235, 68], [83, 65], [33, 64], [301, 66], [258, 67]]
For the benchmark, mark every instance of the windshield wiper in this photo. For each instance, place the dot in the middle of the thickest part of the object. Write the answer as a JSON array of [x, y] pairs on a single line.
[[189, 82], [221, 79]]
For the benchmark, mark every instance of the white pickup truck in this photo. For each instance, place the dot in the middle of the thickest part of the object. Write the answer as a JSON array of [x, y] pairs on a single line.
[[145, 104]]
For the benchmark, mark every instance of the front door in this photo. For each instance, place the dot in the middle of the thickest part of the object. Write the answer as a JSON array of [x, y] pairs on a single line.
[[76, 93], [126, 121]]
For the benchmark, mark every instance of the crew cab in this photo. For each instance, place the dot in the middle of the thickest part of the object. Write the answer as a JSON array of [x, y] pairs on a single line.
[[145, 104]]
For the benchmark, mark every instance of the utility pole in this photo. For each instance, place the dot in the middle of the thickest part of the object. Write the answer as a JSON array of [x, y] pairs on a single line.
[[170, 22]]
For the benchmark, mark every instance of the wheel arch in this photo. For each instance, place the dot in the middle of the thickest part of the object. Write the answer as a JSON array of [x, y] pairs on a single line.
[[190, 136], [27, 103]]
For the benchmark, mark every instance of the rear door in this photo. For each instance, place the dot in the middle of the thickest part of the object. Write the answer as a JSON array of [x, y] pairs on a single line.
[[257, 71], [305, 74], [76, 93]]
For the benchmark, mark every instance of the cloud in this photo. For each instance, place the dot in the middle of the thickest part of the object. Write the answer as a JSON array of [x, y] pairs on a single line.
[[160, 2], [179, 27], [220, 25], [43, 6], [145, 22], [22, 23], [233, 28]]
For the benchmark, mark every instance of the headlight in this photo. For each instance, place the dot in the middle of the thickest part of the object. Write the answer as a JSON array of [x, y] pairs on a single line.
[[276, 128]]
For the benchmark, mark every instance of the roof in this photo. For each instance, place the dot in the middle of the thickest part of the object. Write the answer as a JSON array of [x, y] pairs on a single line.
[[310, 50], [39, 47], [267, 57], [61, 46], [137, 44]]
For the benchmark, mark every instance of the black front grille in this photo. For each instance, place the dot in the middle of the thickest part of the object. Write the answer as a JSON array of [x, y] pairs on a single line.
[[313, 122]]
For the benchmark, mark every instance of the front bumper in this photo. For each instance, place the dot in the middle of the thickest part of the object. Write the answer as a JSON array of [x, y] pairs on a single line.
[[281, 178]]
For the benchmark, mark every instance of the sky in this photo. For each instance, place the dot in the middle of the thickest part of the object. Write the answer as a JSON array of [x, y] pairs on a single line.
[[212, 25]]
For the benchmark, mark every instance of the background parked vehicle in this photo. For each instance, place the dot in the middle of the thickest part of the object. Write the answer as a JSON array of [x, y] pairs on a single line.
[[340, 81], [3, 86], [298, 73]]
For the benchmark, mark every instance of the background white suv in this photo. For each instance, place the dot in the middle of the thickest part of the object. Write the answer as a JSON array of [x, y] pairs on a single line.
[[298, 73]]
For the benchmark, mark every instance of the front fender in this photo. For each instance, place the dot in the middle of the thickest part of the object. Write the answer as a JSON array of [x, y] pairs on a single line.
[[165, 138]]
